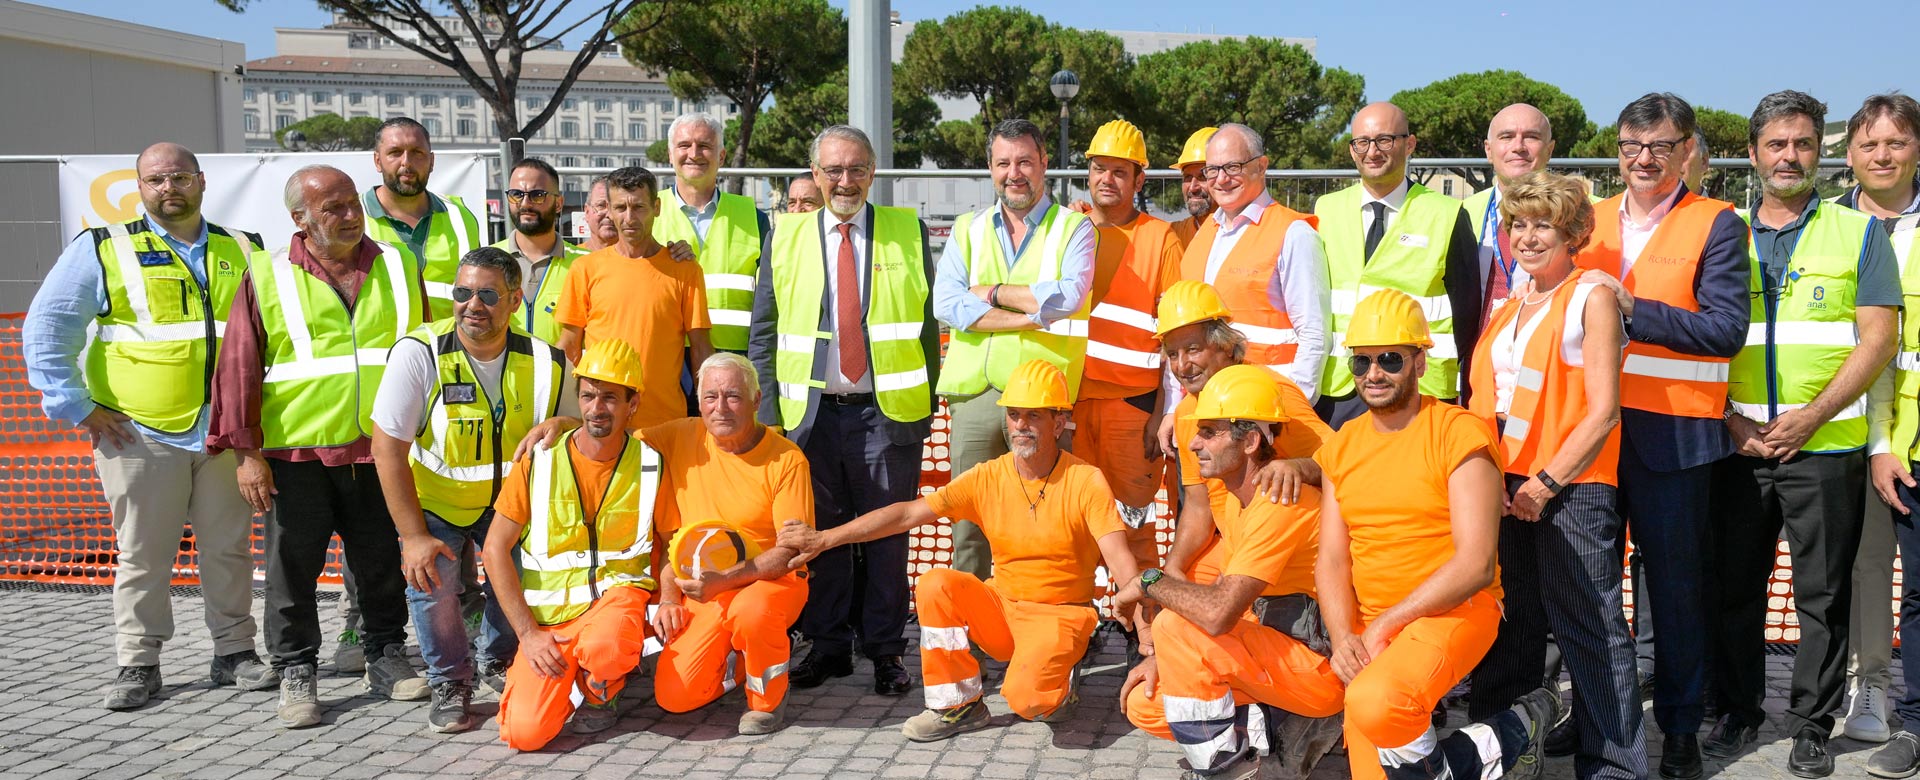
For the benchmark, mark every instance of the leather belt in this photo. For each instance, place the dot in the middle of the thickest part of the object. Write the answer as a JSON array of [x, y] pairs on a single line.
[[848, 399]]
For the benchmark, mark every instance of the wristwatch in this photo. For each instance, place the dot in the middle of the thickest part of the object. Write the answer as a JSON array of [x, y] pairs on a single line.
[[1552, 486], [1149, 577]]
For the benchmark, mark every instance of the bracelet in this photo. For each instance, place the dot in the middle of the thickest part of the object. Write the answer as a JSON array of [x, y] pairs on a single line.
[[993, 297], [1553, 486]]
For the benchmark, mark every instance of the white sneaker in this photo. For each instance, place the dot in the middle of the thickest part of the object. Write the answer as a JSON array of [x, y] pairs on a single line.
[[1867, 714]]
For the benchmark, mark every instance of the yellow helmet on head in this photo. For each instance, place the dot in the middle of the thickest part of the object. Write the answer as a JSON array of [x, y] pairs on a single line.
[[1388, 318], [709, 546], [1119, 138], [610, 360], [1037, 385], [1241, 392], [1189, 301], [1196, 149]]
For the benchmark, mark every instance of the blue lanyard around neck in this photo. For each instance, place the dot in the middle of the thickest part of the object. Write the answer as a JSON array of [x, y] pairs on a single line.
[[1499, 259]]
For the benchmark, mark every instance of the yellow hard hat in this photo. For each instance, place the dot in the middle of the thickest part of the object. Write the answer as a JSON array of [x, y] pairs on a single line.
[[1196, 149], [1241, 392], [1037, 385], [610, 360], [709, 546], [1189, 301], [1119, 138], [1388, 318]]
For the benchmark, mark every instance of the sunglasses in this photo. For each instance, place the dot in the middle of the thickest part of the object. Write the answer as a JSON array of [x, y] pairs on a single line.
[[529, 196], [1390, 362], [488, 296]]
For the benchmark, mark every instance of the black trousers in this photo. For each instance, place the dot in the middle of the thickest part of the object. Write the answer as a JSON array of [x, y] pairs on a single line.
[[1817, 499], [1562, 574], [858, 592], [1668, 516], [315, 502]]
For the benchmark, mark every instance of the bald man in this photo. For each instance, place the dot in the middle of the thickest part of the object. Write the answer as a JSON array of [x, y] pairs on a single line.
[[1387, 231], [155, 288], [1519, 141]]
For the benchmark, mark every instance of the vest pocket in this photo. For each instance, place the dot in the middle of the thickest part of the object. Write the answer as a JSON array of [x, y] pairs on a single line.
[[170, 299]]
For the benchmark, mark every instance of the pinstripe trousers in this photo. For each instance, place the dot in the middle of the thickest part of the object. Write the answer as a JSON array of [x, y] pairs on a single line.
[[1562, 574]]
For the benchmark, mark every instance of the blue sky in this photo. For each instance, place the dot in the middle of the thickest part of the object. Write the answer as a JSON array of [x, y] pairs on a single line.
[[1712, 52]]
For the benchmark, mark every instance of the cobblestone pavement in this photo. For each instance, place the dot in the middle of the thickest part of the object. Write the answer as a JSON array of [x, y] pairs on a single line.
[[55, 658]]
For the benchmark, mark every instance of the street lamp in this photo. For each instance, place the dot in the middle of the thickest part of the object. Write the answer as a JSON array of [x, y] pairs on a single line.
[[295, 141], [1065, 86]]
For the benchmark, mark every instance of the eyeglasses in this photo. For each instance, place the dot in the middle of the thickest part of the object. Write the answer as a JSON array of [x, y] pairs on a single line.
[[1384, 143], [488, 296], [1390, 362], [1661, 149], [849, 173], [1228, 169], [180, 181], [529, 196]]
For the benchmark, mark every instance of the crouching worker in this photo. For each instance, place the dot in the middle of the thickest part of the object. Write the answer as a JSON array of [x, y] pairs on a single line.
[[1253, 636], [1050, 520], [580, 519]]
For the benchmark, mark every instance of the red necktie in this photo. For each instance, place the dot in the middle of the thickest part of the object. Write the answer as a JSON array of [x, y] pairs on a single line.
[[846, 310], [1497, 285]]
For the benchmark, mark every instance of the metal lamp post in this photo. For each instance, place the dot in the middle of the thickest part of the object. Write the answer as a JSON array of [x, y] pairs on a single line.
[[1065, 86]]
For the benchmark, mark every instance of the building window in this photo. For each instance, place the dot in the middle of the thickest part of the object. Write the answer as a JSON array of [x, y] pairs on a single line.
[[463, 101], [250, 122], [569, 104], [637, 162], [603, 131], [394, 99], [665, 126], [569, 161], [465, 128], [532, 102], [666, 108], [636, 131], [322, 97], [603, 162], [602, 104], [432, 125], [247, 94], [569, 129], [634, 105], [283, 96], [280, 121], [429, 100], [354, 98]]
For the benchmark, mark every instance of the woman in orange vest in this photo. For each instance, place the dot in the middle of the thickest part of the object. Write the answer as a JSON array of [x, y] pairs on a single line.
[[1546, 372]]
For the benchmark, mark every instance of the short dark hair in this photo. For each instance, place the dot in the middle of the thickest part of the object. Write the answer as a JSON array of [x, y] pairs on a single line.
[[541, 166], [1016, 129], [1656, 107], [405, 123], [1241, 429], [497, 259], [1783, 104], [633, 178], [1903, 110]]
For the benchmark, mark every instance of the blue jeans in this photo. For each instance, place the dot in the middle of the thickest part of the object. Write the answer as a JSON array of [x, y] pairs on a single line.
[[436, 615]]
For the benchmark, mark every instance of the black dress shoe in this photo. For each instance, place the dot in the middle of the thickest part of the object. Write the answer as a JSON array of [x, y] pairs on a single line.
[[1810, 757], [890, 676], [818, 668], [1729, 736], [1564, 739], [1680, 757]]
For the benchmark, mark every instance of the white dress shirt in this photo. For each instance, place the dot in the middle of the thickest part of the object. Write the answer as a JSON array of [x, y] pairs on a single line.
[[1395, 200], [1635, 235], [838, 383], [1490, 245], [1299, 285]]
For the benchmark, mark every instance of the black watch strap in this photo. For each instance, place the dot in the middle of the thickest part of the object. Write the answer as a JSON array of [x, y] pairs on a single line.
[[1553, 486]]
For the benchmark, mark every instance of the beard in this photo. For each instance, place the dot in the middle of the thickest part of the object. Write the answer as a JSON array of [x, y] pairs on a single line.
[[1400, 398], [534, 223], [403, 189], [599, 427]]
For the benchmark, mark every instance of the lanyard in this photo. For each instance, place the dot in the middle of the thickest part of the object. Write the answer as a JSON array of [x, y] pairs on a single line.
[[1499, 260]]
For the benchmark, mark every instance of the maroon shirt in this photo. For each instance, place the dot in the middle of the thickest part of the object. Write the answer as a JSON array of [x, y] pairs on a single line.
[[241, 369]]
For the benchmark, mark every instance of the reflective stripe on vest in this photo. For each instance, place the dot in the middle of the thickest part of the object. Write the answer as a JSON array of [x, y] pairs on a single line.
[[567, 560], [1121, 346], [545, 299], [318, 355], [461, 451], [977, 360], [452, 232], [1906, 402], [1803, 330], [730, 257], [1243, 282], [895, 318], [160, 335], [1654, 378], [1549, 395], [1412, 259]]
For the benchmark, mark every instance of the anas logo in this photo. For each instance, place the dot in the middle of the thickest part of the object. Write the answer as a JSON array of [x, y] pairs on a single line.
[[226, 267], [1820, 293]]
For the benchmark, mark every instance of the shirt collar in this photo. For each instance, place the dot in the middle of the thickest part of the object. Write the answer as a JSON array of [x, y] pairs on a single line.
[[370, 203], [859, 219], [1806, 213], [1394, 200], [1252, 213], [1653, 217], [1034, 215], [1852, 198], [197, 240], [713, 204]]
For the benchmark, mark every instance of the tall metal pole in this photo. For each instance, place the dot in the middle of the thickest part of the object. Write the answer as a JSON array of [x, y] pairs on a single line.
[[870, 83], [1066, 152]]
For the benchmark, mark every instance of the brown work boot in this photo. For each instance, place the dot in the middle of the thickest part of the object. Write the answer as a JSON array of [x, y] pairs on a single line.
[[936, 725]]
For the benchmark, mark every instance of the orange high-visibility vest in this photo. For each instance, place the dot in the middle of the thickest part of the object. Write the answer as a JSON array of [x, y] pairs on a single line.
[[1549, 396], [1653, 378], [1243, 282], [1121, 347]]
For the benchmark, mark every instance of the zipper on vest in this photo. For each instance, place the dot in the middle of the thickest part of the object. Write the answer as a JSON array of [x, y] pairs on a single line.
[[1773, 378], [213, 347]]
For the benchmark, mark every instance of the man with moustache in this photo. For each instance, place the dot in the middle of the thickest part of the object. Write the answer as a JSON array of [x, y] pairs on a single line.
[[803, 196], [534, 202], [1519, 141], [600, 231], [1193, 188], [438, 230], [1012, 286], [1678, 264], [1824, 324], [157, 291], [293, 393], [847, 353], [1387, 231], [724, 229]]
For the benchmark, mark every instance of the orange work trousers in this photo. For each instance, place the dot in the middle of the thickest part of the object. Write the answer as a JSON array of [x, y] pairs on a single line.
[[606, 645], [1111, 434], [739, 634], [1390, 703], [1204, 677], [1040, 642]]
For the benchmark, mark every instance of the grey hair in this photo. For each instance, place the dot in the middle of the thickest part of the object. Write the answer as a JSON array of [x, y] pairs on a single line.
[[1256, 145], [685, 120], [720, 360], [295, 194], [844, 133], [1783, 104]]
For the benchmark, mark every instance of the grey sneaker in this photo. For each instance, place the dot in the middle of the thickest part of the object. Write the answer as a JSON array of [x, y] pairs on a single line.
[[493, 673], [754, 722], [936, 725], [349, 656], [245, 670], [1244, 765], [392, 675], [299, 702], [135, 686], [1542, 710], [452, 708], [1900, 758], [595, 718]]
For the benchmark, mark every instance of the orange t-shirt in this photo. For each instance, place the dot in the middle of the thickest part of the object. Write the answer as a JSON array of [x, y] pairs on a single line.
[[594, 476], [651, 303], [1186, 228], [757, 491], [1274, 543], [1300, 437], [1393, 495], [1110, 251], [1045, 540]]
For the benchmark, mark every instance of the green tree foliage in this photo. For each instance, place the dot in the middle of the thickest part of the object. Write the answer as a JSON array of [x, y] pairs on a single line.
[[1726, 134], [1450, 116], [331, 133], [798, 114], [1298, 107]]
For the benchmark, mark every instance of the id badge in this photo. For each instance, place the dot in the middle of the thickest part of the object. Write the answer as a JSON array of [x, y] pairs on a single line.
[[458, 393], [153, 259]]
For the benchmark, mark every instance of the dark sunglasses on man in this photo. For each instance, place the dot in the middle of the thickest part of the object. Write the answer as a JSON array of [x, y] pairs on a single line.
[[1390, 362], [488, 295]]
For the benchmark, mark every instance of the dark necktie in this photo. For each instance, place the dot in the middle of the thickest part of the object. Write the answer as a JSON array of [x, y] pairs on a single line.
[[1378, 229], [846, 310], [1498, 286]]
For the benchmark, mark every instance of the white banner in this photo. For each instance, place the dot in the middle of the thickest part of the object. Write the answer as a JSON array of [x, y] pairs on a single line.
[[245, 191]]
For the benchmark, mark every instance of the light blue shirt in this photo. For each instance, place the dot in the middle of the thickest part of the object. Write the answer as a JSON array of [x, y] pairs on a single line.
[[954, 305], [702, 218], [55, 333]]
